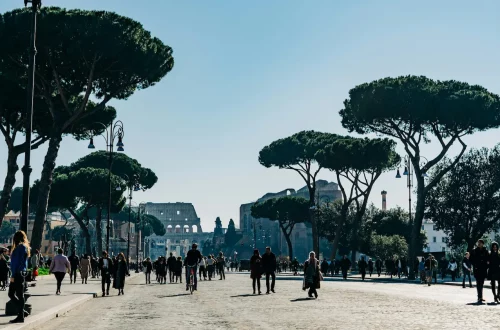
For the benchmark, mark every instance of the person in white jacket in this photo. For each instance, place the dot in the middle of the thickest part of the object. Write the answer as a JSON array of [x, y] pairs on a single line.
[[452, 266]]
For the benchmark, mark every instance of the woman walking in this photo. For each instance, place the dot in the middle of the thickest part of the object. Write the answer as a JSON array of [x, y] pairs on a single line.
[[256, 270], [19, 265], [59, 266], [85, 268], [452, 266], [178, 270], [312, 275], [121, 270], [494, 271]]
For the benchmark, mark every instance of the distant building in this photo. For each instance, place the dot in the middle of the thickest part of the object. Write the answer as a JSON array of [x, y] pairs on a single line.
[[436, 239], [182, 226], [264, 232]]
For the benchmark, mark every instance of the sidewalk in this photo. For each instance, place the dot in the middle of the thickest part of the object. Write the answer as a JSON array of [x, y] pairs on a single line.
[[47, 305]]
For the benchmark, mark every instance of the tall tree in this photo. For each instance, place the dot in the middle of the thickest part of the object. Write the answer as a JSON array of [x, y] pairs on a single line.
[[465, 203], [83, 54], [388, 247], [231, 237], [288, 211], [7, 230], [357, 163], [298, 153], [414, 109]]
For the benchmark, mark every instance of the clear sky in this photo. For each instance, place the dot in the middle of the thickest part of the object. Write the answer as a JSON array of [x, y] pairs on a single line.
[[249, 72]]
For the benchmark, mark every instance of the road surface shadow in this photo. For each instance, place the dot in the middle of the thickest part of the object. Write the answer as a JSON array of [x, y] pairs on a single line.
[[302, 299], [174, 295], [480, 304], [245, 295]]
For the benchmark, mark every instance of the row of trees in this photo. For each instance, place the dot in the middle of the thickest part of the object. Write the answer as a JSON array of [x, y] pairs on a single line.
[[85, 59], [412, 110]]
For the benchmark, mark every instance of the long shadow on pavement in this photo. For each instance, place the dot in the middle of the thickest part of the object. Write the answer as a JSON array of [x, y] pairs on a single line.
[[174, 295], [246, 295], [301, 299]]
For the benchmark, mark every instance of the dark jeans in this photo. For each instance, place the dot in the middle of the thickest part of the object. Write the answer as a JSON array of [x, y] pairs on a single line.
[[466, 273], [105, 282], [16, 293], [171, 273], [493, 289], [72, 274], [363, 274], [479, 285], [59, 278], [344, 274], [379, 270], [203, 272], [188, 273], [453, 275], [273, 277], [148, 277], [256, 280]]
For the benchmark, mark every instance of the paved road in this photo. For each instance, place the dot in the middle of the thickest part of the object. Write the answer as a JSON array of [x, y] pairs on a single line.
[[230, 305]]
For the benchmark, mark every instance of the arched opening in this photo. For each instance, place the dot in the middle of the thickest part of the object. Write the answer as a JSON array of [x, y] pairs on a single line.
[[186, 228], [177, 229], [169, 229], [194, 229]]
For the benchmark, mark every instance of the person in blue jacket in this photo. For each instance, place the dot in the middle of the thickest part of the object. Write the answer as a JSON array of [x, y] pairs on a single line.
[[18, 265]]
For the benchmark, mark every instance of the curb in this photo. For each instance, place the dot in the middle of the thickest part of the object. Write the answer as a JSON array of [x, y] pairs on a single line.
[[33, 322]]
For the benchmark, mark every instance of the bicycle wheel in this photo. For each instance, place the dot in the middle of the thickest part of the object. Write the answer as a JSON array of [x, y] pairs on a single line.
[[191, 284]]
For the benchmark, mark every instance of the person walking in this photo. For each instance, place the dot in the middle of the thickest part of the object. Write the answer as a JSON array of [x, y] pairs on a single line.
[[105, 265], [370, 266], [19, 264], [203, 272], [4, 272], [171, 262], [256, 270], [221, 261], [452, 267], [35, 262], [269, 267], [94, 263], [466, 269], [85, 268], [362, 264], [121, 270], [324, 267], [421, 270], [312, 275], [480, 262], [59, 266], [178, 269], [444, 267], [345, 265], [210, 266], [148, 268], [494, 271], [75, 264], [378, 266]]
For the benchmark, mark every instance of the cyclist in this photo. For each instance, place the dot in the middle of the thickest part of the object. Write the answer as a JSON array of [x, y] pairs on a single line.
[[191, 261]]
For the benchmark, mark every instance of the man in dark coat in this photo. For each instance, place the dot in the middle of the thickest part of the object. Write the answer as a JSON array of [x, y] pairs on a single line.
[[74, 261], [480, 263], [362, 264], [324, 267], [370, 266], [345, 264], [378, 266], [106, 268], [269, 268], [171, 266]]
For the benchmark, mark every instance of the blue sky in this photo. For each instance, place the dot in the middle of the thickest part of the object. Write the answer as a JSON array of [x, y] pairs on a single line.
[[248, 73]]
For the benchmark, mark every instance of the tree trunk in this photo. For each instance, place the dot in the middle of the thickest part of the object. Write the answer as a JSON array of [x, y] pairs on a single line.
[[288, 240], [45, 184], [312, 218], [338, 230], [417, 225], [10, 180], [85, 231], [98, 230]]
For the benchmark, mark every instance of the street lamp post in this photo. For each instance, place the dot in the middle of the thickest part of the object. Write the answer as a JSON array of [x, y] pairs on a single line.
[[35, 5], [113, 132], [132, 186], [138, 240], [408, 171]]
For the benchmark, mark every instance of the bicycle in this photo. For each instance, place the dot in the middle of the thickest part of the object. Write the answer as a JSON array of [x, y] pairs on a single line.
[[191, 278]]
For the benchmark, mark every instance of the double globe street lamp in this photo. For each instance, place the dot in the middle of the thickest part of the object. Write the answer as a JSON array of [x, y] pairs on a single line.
[[114, 133]]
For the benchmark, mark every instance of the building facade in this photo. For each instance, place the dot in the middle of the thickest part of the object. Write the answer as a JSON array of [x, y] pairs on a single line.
[[182, 226], [264, 232]]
